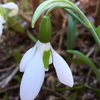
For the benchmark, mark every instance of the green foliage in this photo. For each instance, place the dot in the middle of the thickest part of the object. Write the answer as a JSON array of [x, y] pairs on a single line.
[[10, 0], [75, 60], [18, 78], [17, 55], [72, 96], [15, 25], [98, 31], [72, 32], [87, 61], [32, 37], [5, 97]]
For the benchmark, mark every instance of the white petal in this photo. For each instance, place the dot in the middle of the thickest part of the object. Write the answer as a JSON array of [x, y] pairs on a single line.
[[50, 60], [32, 79], [44, 47], [12, 6], [1, 28], [2, 21], [62, 69], [49, 4], [27, 58]]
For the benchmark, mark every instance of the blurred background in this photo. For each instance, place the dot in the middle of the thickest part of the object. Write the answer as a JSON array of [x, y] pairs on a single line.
[[18, 37]]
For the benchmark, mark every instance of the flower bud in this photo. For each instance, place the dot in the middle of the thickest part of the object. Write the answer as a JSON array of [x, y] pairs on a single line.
[[45, 30]]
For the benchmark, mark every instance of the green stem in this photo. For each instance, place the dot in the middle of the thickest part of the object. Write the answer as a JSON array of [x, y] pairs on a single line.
[[86, 23], [50, 10], [96, 38]]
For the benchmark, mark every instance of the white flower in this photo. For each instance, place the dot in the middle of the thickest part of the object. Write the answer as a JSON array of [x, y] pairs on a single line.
[[2, 21], [14, 10], [34, 71], [11, 6]]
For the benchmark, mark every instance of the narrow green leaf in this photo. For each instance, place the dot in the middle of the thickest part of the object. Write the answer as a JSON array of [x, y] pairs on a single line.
[[98, 31], [46, 57], [5, 97], [75, 16], [76, 60], [87, 61], [18, 78], [72, 32], [96, 90], [13, 23], [72, 96], [17, 55], [31, 37], [10, 0]]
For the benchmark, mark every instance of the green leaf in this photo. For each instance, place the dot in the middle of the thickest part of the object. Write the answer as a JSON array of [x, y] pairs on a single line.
[[46, 57], [5, 97], [72, 32], [13, 23], [87, 61], [97, 91], [72, 96], [79, 87], [98, 31], [10, 0], [31, 37], [50, 4], [76, 60], [18, 78], [17, 55]]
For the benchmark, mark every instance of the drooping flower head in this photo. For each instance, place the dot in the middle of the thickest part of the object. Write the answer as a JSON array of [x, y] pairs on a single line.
[[36, 61], [9, 9]]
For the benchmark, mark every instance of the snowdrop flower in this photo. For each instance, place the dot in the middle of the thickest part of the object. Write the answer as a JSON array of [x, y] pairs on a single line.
[[2, 21], [13, 11], [12, 7], [35, 62]]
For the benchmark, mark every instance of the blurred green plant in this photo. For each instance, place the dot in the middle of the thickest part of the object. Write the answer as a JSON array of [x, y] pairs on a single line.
[[87, 61], [17, 56], [32, 37], [14, 24], [72, 32], [98, 31], [5, 97]]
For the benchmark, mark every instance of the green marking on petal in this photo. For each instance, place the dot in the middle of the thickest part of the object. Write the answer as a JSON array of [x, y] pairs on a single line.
[[46, 57]]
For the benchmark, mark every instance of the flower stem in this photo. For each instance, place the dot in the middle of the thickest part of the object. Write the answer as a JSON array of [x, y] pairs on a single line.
[[96, 38]]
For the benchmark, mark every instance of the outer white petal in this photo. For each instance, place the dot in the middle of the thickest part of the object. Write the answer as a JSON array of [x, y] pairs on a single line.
[[62, 69], [50, 60], [49, 4], [27, 58], [32, 79], [2, 21], [1, 28], [12, 6]]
